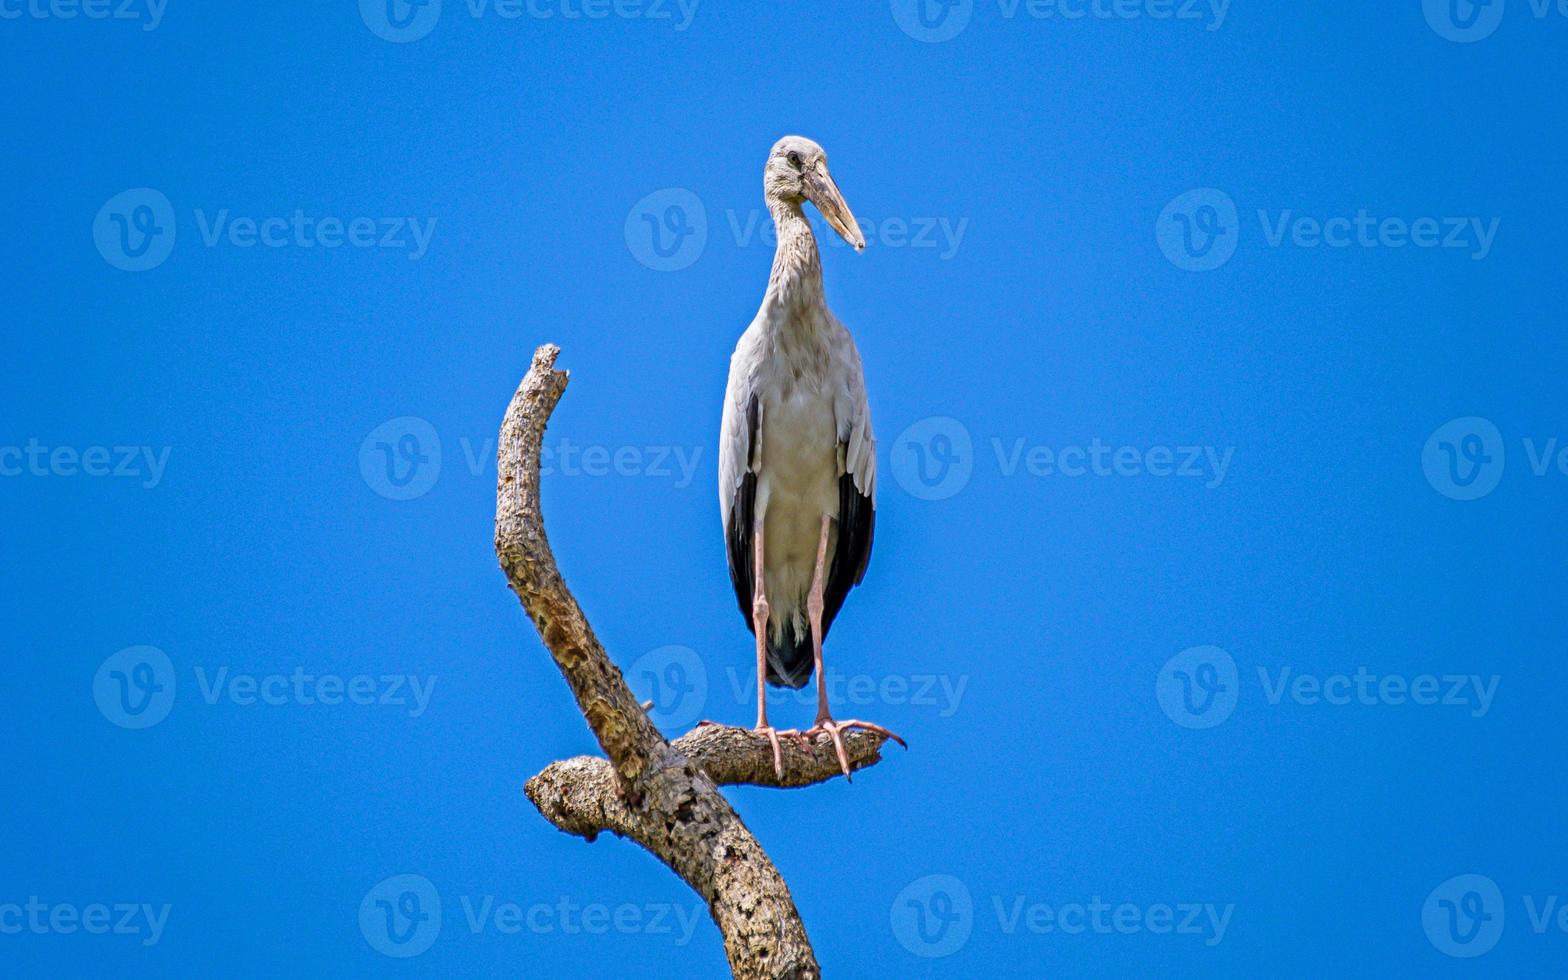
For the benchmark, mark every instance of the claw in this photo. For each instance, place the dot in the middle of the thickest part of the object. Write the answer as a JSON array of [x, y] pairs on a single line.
[[773, 736], [778, 752], [838, 746], [835, 730], [797, 736]]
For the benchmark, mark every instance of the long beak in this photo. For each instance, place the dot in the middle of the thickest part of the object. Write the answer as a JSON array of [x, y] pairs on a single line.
[[821, 191]]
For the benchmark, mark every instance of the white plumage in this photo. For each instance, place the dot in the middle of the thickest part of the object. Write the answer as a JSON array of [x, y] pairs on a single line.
[[797, 456], [802, 367]]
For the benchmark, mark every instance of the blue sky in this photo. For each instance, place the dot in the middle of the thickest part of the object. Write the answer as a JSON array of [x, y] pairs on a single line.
[[1216, 356]]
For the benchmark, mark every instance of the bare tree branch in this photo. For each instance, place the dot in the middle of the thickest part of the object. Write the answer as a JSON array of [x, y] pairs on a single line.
[[624, 731], [660, 795], [739, 756]]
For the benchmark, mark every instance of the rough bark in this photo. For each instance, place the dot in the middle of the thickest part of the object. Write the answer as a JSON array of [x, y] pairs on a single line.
[[663, 796]]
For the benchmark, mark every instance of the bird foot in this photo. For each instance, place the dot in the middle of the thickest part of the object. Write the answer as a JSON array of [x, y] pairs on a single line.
[[834, 730], [773, 735], [806, 739]]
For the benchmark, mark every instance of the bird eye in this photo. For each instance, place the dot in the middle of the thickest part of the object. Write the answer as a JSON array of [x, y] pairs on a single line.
[[794, 158]]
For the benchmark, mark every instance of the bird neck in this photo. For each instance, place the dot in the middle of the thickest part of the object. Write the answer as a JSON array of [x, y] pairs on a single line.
[[796, 280]]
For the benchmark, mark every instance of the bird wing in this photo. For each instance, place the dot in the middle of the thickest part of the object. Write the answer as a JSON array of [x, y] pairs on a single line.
[[737, 469], [857, 465], [857, 482]]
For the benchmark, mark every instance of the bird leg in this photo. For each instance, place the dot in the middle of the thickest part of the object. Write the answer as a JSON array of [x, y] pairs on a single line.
[[814, 610], [759, 624]]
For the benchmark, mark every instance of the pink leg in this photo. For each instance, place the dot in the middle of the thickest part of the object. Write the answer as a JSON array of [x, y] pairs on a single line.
[[759, 623], [814, 610]]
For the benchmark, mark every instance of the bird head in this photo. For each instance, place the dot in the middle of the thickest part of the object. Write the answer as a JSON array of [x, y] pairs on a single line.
[[797, 170]]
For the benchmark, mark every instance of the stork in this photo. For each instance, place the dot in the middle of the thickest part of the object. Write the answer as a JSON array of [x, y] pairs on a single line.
[[797, 458]]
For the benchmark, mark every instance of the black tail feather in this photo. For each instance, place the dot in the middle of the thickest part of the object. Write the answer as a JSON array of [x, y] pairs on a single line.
[[790, 661]]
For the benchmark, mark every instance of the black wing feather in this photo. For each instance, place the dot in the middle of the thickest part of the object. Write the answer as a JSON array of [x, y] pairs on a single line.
[[738, 536], [857, 520]]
